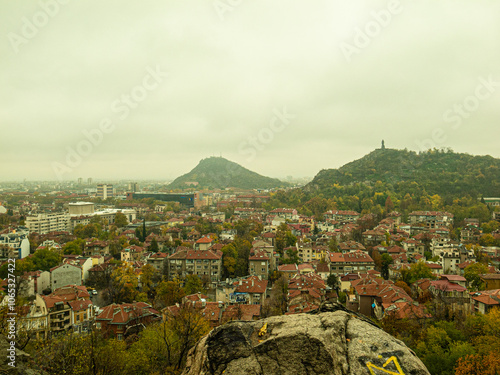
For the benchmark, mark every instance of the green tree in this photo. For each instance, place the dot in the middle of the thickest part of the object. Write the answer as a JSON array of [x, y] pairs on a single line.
[[386, 261], [417, 271], [333, 245], [120, 220], [472, 273], [193, 284], [229, 258], [153, 247], [332, 281], [75, 247]]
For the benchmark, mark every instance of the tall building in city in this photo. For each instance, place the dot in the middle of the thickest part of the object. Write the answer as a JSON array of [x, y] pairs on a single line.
[[133, 187], [104, 191], [81, 208], [89, 181]]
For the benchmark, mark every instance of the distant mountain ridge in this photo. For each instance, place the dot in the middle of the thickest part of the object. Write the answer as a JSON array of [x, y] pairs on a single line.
[[220, 173], [437, 171]]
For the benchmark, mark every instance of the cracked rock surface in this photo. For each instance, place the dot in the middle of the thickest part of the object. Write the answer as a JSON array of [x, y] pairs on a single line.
[[325, 343]]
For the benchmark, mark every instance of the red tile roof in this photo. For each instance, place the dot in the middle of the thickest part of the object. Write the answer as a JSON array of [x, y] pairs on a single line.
[[187, 253], [251, 284], [259, 255], [355, 256], [80, 305], [447, 286], [204, 240], [124, 313]]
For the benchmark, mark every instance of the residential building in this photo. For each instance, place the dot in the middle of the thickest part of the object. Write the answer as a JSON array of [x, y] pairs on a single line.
[[38, 282], [158, 261], [251, 291], [356, 261], [105, 191], [431, 219], [48, 222], [342, 216], [351, 246], [203, 243], [14, 245], [491, 281], [122, 320], [470, 234], [451, 296], [84, 263], [485, 300], [285, 213], [202, 263], [413, 247], [66, 274], [305, 292], [96, 248], [259, 264], [373, 295]]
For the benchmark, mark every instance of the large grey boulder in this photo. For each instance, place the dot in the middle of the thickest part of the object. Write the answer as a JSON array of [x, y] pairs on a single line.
[[20, 365], [335, 342]]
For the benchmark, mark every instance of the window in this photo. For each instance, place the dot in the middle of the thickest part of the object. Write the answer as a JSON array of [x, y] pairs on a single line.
[[119, 336]]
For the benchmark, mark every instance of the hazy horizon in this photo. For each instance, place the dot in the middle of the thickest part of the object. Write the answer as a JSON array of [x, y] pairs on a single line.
[[146, 90]]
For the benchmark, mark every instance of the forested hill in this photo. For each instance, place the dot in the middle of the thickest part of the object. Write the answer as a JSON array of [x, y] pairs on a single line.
[[217, 172], [435, 171]]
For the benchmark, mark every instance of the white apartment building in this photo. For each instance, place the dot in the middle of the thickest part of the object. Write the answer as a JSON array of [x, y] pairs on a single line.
[[45, 223]]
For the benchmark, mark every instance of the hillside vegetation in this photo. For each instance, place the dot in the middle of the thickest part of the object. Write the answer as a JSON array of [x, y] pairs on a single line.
[[220, 173], [436, 171], [432, 180]]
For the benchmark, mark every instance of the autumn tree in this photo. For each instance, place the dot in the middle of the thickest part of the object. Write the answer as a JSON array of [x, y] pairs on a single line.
[[149, 278], [123, 285], [278, 302], [171, 339], [168, 293], [476, 364]]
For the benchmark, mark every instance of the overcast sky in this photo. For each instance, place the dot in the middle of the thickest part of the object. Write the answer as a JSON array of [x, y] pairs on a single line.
[[280, 87]]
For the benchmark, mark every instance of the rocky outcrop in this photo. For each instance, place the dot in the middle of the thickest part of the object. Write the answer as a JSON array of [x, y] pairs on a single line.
[[20, 365], [335, 342]]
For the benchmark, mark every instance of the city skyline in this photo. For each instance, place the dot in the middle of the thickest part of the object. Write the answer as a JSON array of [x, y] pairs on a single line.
[[145, 91]]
